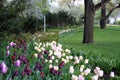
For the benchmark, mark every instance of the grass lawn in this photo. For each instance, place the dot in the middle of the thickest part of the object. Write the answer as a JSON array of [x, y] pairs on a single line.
[[106, 42]]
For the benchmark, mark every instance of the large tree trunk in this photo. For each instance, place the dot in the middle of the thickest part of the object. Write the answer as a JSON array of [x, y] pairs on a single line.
[[88, 22], [103, 19]]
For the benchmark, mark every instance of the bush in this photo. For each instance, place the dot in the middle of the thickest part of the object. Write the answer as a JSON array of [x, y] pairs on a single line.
[[45, 36], [118, 22], [12, 37]]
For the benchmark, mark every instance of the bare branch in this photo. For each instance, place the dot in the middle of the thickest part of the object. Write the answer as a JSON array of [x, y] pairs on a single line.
[[118, 6], [97, 6]]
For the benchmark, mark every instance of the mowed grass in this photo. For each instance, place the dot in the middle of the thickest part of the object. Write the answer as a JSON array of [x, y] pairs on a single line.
[[106, 42]]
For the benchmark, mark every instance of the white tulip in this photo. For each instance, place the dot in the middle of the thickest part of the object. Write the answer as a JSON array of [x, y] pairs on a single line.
[[80, 58], [100, 73], [95, 77], [50, 61], [74, 77], [50, 66], [71, 70], [87, 71], [35, 55], [86, 61], [56, 68], [112, 74]]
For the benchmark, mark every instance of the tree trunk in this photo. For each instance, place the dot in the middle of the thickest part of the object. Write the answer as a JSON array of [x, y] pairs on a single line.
[[88, 22], [103, 19]]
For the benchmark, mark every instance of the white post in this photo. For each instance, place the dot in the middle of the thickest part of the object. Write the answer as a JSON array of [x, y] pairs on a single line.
[[44, 23]]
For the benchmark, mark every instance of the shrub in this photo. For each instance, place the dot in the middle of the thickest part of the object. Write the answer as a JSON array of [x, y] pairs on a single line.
[[118, 22], [45, 36]]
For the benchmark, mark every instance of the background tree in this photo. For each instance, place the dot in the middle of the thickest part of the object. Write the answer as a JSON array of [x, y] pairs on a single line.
[[104, 16], [90, 9], [19, 15]]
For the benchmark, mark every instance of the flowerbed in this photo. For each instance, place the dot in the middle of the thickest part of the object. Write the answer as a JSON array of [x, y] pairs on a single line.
[[45, 61]]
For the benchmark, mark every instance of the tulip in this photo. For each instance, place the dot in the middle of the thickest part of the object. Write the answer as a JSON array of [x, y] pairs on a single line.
[[8, 52], [71, 70], [100, 73], [7, 47], [87, 71], [112, 74], [12, 44], [35, 55], [67, 50], [74, 77], [50, 66], [80, 77], [80, 57], [86, 61], [42, 74], [13, 58], [95, 77], [17, 63], [15, 73], [3, 68], [56, 68], [61, 64]]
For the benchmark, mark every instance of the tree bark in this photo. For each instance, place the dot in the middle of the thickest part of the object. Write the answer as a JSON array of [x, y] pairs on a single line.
[[103, 19], [90, 9], [88, 22]]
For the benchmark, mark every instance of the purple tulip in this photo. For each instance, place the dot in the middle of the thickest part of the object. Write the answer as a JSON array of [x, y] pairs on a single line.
[[17, 63], [61, 64], [27, 70], [39, 55], [49, 57], [15, 73], [23, 73], [12, 44], [38, 67], [54, 72], [14, 53], [3, 68], [46, 52], [23, 58], [20, 57]]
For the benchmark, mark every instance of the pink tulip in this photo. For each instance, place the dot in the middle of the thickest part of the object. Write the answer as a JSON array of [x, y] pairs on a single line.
[[80, 77], [3, 68]]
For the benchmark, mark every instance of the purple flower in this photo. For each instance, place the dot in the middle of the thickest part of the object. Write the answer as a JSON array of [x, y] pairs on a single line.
[[8, 52], [12, 44], [61, 64], [27, 70], [46, 52], [23, 58], [39, 55], [3, 68], [15, 73], [7, 47], [38, 67], [14, 53], [49, 57], [80, 77], [55, 72], [17, 63], [20, 57], [23, 73]]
